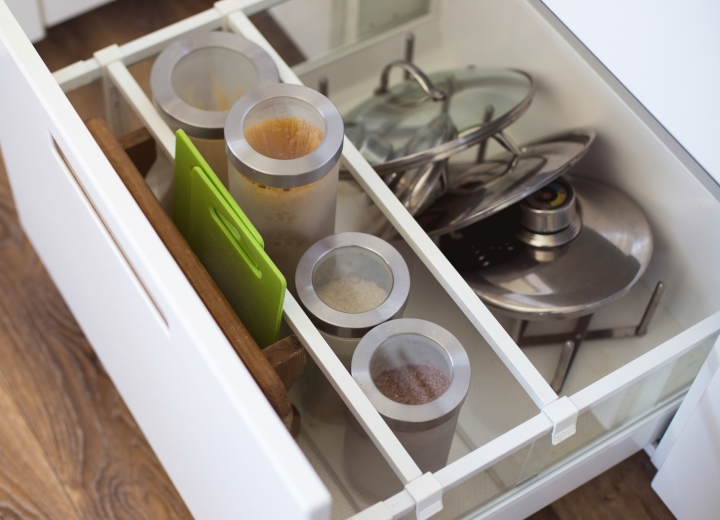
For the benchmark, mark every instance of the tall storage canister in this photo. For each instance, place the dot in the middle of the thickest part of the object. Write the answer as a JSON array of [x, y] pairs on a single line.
[[284, 144], [417, 375], [348, 283], [196, 80]]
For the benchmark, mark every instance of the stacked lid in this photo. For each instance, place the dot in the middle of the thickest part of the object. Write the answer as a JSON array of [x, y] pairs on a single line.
[[409, 132], [526, 241]]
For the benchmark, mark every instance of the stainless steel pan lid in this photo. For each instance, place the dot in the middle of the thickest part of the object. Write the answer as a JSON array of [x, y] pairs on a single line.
[[608, 256], [196, 79], [395, 116], [479, 190]]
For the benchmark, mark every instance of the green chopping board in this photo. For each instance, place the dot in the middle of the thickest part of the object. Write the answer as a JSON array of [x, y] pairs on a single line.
[[227, 244]]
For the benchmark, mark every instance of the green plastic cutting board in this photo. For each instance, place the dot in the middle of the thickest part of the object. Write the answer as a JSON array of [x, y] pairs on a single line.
[[227, 244]]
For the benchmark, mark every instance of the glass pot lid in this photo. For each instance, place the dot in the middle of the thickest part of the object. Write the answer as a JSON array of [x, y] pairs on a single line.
[[476, 191], [388, 128], [606, 258]]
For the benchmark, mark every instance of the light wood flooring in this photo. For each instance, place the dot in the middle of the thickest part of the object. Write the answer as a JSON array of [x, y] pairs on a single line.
[[69, 447]]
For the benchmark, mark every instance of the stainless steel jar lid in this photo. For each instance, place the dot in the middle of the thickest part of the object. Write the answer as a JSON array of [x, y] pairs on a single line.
[[207, 124], [269, 101], [355, 257], [399, 342]]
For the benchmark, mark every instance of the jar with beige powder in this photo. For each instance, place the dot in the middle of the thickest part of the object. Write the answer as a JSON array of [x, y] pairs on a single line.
[[197, 79]]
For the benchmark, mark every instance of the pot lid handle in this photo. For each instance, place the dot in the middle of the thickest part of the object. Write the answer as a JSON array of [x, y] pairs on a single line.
[[435, 93]]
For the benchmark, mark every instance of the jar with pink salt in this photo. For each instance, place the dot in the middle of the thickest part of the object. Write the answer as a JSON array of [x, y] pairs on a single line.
[[417, 375]]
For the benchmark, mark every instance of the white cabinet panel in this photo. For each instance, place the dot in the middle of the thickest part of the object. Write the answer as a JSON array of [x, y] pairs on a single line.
[[666, 54], [57, 11], [688, 480], [27, 13], [221, 443]]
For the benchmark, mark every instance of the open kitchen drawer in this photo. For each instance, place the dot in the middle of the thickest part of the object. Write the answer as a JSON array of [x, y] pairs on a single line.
[[518, 445]]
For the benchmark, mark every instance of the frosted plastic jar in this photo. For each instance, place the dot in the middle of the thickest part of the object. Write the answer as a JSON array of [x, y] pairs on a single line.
[[348, 283], [283, 145], [417, 375], [197, 79]]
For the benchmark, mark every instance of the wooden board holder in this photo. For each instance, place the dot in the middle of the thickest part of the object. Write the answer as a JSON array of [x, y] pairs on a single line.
[[275, 368]]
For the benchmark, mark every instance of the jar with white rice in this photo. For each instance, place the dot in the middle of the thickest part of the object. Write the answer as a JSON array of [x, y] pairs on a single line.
[[349, 283]]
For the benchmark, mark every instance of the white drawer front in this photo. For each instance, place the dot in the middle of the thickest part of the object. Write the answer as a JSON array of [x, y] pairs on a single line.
[[220, 441]]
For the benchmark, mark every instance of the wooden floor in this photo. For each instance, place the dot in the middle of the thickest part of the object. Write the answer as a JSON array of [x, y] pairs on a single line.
[[69, 447]]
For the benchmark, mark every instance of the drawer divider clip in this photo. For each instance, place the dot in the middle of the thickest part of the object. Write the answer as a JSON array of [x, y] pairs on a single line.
[[427, 493], [564, 414]]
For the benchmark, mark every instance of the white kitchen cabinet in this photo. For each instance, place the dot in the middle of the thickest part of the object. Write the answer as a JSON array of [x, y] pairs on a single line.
[[57, 11], [28, 15], [688, 455], [518, 445], [35, 15]]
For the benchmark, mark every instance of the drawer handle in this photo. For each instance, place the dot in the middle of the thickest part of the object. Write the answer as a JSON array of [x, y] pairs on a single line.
[[65, 165]]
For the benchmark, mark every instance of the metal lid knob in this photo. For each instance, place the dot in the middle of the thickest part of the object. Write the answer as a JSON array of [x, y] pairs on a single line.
[[549, 217]]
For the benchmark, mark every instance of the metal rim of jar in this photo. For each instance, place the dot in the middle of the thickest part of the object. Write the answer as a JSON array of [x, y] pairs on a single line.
[[408, 417], [278, 173], [344, 324], [206, 124]]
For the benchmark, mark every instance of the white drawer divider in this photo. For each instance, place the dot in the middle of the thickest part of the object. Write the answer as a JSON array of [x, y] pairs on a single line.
[[466, 467], [387, 443], [381, 435], [501, 342], [635, 370], [564, 415], [134, 95]]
